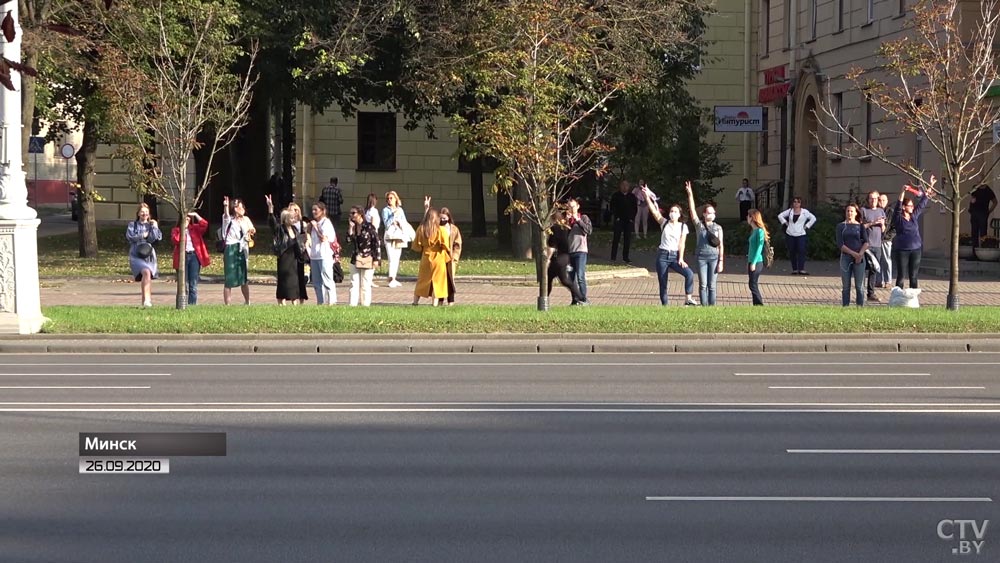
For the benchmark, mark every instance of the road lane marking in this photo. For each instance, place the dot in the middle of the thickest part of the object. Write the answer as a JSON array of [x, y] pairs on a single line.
[[480, 404], [876, 387], [86, 374], [75, 387], [772, 374], [894, 452], [655, 361], [507, 410], [821, 499]]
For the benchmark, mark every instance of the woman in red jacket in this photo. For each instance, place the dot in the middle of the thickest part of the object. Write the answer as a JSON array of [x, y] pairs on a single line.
[[195, 254]]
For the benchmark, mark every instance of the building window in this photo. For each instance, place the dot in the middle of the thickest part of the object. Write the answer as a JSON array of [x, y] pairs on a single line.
[[871, 11], [902, 7], [765, 27], [840, 15], [838, 113], [376, 141], [813, 18], [763, 139]]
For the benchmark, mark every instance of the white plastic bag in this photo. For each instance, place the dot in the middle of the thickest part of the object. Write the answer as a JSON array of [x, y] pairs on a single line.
[[900, 297]]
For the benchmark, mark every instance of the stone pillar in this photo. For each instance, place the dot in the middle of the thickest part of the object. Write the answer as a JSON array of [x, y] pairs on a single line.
[[20, 307]]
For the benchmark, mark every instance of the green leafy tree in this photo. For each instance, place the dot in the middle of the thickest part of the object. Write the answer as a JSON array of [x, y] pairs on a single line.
[[934, 81], [545, 72], [170, 85]]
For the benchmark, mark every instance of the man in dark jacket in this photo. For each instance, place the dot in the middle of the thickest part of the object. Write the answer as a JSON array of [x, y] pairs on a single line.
[[623, 210]]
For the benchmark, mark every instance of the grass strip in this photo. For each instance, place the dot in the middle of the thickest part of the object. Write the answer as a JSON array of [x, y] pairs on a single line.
[[514, 319]]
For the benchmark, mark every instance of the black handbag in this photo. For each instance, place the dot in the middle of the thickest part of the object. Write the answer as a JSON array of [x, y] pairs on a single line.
[[338, 272], [144, 250]]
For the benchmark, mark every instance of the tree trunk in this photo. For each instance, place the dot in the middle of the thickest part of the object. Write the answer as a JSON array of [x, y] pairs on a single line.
[[520, 227], [956, 215], [85, 177], [182, 296], [478, 202], [541, 273]]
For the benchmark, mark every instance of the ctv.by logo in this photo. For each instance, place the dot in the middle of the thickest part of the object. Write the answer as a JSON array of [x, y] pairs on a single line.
[[971, 535]]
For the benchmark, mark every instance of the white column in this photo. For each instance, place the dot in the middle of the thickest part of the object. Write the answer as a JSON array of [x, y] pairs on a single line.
[[20, 308]]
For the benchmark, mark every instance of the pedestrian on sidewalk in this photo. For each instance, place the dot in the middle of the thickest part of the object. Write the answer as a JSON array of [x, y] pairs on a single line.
[[365, 258], [670, 255], [852, 240], [141, 234], [623, 210], [455, 237], [982, 202], [323, 251], [333, 198], [797, 221], [372, 216], [745, 196], [759, 237], [397, 233], [435, 252], [559, 259], [642, 209], [907, 247], [709, 249], [580, 229], [300, 227], [885, 265], [195, 252], [874, 221], [237, 232]]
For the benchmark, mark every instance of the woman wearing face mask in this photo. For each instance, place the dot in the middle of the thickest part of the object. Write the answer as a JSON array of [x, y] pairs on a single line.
[[797, 221], [670, 255], [237, 231], [141, 234], [709, 250], [455, 236], [853, 242]]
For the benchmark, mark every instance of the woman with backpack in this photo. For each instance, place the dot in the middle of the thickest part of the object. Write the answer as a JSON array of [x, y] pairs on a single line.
[[709, 251], [757, 252]]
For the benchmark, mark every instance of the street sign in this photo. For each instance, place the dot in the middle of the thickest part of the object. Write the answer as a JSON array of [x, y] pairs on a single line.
[[736, 119], [36, 145], [67, 151]]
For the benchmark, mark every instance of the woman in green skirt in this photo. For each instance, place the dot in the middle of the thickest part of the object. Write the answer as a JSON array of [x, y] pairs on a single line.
[[237, 231]]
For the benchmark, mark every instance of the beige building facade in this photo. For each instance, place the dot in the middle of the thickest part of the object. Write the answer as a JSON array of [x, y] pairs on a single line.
[[806, 48], [727, 79]]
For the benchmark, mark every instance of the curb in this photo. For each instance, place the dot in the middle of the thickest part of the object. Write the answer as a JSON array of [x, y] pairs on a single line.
[[498, 344]]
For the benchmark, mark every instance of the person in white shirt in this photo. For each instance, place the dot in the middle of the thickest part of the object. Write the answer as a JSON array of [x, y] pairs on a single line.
[[323, 239], [237, 231], [796, 222], [745, 196], [670, 256]]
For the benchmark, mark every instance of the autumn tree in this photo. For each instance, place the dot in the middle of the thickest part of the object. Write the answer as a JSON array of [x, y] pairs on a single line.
[[170, 85], [544, 73], [933, 81]]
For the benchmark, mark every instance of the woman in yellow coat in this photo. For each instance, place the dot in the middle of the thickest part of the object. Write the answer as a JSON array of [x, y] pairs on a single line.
[[435, 253]]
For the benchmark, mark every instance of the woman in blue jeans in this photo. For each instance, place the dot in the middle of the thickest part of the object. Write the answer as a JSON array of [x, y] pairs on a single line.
[[671, 252], [852, 242], [709, 250], [907, 247]]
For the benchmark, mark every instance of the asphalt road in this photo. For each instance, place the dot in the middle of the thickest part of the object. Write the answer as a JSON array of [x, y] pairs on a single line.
[[541, 457]]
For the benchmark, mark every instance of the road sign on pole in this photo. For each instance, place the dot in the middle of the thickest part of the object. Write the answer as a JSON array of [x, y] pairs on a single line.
[[36, 145]]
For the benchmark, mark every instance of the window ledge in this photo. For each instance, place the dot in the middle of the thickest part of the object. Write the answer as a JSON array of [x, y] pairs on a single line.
[[808, 41], [838, 32], [865, 158], [370, 169], [834, 158], [868, 24], [899, 16]]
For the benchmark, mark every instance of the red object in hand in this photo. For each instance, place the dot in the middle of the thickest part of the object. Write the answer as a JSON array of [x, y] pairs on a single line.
[[912, 190]]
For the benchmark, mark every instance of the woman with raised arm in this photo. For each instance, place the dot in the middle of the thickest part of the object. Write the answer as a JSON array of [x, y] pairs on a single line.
[[907, 246], [237, 230], [709, 249], [670, 256], [435, 252]]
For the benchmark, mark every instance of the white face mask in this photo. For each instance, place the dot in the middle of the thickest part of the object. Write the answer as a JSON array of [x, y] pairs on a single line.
[[710, 217], [674, 215]]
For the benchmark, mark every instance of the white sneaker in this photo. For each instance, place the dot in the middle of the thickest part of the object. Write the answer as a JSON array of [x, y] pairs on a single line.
[[147, 303], [395, 283]]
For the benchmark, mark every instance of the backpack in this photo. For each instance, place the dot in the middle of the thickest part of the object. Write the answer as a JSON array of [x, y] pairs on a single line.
[[768, 253]]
